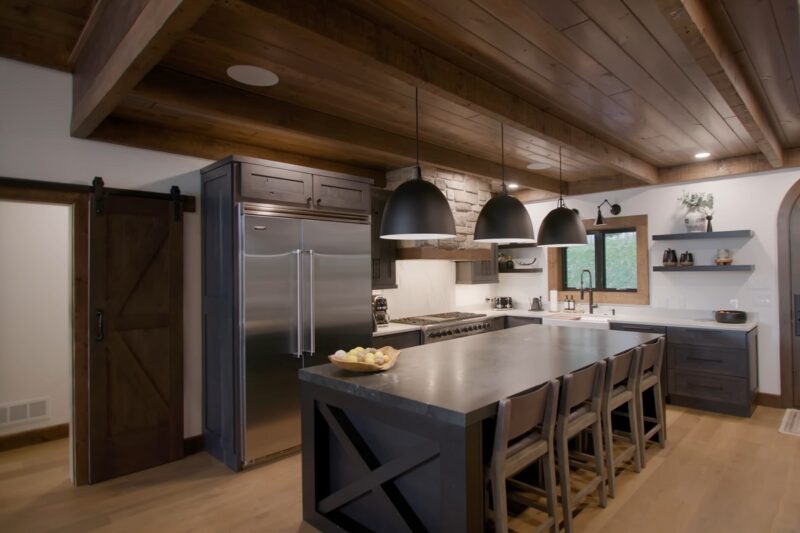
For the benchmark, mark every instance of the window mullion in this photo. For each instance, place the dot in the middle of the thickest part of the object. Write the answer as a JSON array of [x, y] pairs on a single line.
[[600, 260]]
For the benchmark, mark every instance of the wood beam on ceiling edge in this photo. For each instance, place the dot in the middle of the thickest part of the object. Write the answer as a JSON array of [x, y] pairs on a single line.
[[222, 103], [698, 30], [98, 86], [326, 24], [732, 166], [151, 137]]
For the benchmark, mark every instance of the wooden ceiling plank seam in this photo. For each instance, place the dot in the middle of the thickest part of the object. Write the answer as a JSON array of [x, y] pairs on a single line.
[[693, 23], [628, 32], [319, 19], [241, 107], [151, 137], [147, 40], [790, 38]]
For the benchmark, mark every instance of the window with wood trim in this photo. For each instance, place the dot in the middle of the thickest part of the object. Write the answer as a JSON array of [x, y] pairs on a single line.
[[617, 256], [610, 257]]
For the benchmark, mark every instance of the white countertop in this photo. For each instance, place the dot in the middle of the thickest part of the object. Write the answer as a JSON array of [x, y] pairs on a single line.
[[645, 319]]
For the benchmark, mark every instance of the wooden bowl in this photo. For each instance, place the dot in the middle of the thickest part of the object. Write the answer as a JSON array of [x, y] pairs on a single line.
[[725, 261], [388, 351]]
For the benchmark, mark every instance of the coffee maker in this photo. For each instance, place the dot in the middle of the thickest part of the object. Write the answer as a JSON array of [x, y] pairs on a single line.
[[380, 310]]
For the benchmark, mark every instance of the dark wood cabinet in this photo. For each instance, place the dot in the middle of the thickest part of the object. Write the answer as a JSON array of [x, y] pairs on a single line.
[[474, 272], [384, 251], [514, 321], [404, 339], [713, 370], [278, 183]]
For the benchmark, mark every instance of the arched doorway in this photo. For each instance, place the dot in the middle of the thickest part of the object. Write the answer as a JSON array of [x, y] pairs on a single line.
[[789, 295]]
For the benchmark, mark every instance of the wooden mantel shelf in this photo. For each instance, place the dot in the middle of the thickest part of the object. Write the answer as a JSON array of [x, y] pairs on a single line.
[[460, 254]]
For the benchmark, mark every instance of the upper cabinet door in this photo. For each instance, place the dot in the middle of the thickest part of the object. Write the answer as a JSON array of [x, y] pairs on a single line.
[[276, 185], [336, 193]]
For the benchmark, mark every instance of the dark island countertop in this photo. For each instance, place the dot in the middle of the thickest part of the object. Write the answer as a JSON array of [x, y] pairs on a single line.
[[460, 381]]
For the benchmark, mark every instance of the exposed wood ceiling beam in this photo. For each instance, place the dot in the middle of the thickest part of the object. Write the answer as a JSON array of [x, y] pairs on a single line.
[[731, 166], [141, 135], [695, 25], [107, 66], [226, 104], [325, 24]]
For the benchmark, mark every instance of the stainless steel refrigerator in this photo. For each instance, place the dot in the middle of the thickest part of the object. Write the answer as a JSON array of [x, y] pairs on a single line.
[[305, 292]]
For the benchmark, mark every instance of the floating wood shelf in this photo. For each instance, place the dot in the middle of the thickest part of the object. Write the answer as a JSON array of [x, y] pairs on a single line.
[[521, 271], [517, 245], [742, 233], [460, 254], [705, 268]]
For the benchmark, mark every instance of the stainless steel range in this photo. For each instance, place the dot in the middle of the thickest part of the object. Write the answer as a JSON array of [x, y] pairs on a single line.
[[446, 326]]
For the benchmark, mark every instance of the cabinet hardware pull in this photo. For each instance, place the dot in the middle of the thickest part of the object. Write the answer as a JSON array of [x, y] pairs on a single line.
[[100, 326], [710, 387], [690, 358]]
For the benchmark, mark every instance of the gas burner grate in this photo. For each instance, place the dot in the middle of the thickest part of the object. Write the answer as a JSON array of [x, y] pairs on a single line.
[[436, 318]]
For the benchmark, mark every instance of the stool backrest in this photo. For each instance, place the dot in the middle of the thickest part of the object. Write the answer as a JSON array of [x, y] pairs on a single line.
[[524, 412], [652, 356], [621, 368], [582, 386]]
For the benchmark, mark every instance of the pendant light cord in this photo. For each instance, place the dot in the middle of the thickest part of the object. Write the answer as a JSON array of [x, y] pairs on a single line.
[[503, 156], [416, 111], [560, 181]]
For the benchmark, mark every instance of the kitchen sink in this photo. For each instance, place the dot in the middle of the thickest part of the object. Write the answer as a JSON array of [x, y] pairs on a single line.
[[577, 321]]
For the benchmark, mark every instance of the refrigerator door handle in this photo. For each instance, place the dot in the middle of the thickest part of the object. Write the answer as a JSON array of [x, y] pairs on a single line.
[[312, 324], [299, 303]]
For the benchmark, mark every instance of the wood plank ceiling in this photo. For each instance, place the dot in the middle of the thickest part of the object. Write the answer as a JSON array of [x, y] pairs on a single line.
[[631, 89]]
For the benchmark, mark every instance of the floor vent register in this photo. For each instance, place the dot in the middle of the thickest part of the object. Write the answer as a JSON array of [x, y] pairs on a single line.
[[791, 422]]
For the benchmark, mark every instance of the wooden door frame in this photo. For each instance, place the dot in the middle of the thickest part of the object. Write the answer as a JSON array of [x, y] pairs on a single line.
[[79, 199], [785, 303]]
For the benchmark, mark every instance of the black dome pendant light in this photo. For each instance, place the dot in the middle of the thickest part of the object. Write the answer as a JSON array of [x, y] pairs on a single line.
[[562, 226], [417, 210], [504, 218]]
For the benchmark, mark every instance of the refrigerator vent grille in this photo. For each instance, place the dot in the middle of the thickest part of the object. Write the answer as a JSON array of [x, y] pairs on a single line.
[[12, 413]]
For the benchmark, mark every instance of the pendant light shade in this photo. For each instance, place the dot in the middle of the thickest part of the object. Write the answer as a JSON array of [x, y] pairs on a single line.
[[562, 226], [504, 218], [417, 209]]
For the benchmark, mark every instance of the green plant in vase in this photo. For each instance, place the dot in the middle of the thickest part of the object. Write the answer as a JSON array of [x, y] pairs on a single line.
[[699, 210]]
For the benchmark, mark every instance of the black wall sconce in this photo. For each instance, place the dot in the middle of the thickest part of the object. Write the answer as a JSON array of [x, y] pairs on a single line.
[[615, 210]]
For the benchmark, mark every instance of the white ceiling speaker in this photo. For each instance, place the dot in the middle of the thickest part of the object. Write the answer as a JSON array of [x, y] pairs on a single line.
[[252, 75]]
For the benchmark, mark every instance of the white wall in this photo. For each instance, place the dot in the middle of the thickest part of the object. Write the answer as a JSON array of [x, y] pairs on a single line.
[[35, 106], [35, 310], [749, 202]]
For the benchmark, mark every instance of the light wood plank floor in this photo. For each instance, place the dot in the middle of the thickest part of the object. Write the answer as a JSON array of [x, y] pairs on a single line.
[[717, 474]]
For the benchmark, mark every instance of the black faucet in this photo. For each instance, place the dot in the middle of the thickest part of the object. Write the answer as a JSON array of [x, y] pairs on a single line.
[[591, 292]]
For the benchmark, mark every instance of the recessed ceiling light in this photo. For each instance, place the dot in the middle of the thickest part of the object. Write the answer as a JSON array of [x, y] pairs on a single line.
[[252, 75], [513, 186], [701, 155], [537, 165]]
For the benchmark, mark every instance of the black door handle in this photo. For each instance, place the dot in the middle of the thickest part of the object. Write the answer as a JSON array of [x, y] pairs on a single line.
[[100, 335]]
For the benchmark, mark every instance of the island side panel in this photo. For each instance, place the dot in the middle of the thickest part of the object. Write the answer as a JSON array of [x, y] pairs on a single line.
[[370, 465]]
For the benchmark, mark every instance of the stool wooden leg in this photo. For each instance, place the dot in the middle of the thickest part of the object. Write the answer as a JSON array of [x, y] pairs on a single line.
[[633, 412], [662, 421], [563, 478], [640, 427], [549, 464], [597, 441], [500, 503], [608, 437]]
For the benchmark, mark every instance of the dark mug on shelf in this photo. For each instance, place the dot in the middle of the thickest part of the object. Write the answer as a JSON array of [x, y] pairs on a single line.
[[670, 258]]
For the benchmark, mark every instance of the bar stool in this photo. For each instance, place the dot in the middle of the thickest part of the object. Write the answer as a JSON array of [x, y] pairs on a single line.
[[523, 435], [579, 408], [651, 358], [619, 390]]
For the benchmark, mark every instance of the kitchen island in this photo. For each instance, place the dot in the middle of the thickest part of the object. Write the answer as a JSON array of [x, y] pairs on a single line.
[[404, 449]]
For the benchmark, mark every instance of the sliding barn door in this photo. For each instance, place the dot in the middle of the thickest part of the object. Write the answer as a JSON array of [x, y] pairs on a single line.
[[136, 356]]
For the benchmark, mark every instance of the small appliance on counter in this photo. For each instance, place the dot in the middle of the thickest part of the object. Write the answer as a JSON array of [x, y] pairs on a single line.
[[535, 304], [380, 310], [726, 316], [503, 302]]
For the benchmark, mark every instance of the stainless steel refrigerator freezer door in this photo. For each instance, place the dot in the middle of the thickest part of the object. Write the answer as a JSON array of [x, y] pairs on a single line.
[[338, 291], [271, 291]]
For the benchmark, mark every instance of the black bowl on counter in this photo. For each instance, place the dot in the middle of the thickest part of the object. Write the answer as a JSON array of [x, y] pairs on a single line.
[[730, 317]]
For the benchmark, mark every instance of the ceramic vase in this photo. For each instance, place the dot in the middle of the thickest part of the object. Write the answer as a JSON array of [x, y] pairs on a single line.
[[695, 221]]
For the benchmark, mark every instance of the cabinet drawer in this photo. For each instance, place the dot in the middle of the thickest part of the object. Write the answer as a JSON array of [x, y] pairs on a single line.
[[514, 321], [275, 184], [705, 337], [641, 328], [335, 193], [713, 388], [405, 339], [715, 360]]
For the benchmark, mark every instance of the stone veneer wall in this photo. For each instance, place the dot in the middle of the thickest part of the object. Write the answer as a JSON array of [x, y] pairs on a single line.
[[465, 194]]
